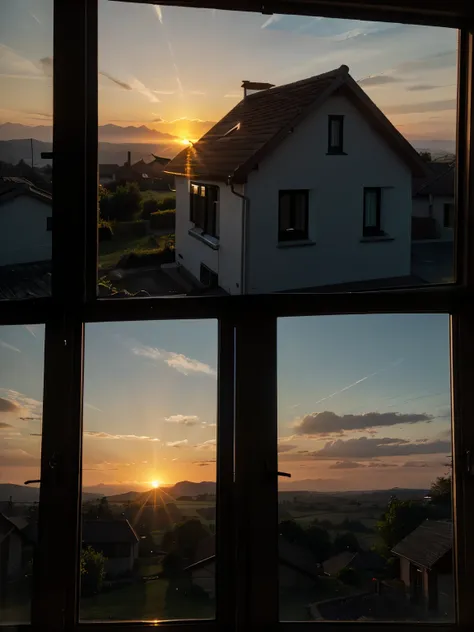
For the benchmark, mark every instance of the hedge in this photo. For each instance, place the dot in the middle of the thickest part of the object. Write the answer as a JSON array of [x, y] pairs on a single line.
[[163, 220], [138, 228]]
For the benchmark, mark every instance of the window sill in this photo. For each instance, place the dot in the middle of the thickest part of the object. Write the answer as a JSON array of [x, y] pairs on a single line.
[[336, 153], [210, 241], [376, 238], [296, 243]]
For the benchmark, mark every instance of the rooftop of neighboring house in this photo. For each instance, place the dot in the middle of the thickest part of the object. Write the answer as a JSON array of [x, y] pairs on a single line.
[[290, 555], [262, 120], [108, 531], [14, 186], [439, 182], [107, 170], [19, 525], [427, 544], [361, 561], [25, 280]]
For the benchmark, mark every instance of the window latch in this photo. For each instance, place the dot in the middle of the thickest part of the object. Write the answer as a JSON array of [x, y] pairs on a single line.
[[285, 474]]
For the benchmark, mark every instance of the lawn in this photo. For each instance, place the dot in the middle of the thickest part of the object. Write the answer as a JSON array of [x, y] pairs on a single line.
[[111, 251], [153, 600], [157, 195]]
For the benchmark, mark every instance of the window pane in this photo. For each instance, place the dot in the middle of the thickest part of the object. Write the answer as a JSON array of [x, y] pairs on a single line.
[[26, 90], [371, 208], [196, 122], [300, 211], [149, 471], [364, 426], [21, 406]]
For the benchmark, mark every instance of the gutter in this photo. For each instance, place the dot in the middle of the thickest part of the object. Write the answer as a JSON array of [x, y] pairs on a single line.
[[243, 250]]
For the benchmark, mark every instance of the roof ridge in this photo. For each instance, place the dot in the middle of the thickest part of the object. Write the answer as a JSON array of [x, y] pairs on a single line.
[[335, 72]]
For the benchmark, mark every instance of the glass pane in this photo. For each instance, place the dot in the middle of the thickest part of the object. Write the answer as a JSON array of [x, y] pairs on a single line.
[[194, 119], [364, 427], [26, 106], [21, 407], [149, 471]]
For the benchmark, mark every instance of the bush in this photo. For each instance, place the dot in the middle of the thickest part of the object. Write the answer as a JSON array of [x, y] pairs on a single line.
[[122, 205], [163, 220], [348, 576], [150, 206], [137, 228], [167, 203], [92, 571], [137, 259]]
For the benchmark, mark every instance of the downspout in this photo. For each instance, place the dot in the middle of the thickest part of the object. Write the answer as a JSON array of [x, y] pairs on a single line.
[[244, 235]]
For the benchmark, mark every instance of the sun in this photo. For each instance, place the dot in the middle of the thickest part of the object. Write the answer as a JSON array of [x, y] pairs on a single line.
[[155, 484], [185, 141]]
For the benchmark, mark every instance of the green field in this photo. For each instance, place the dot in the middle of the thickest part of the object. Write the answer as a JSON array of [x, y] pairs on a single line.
[[111, 251], [157, 195]]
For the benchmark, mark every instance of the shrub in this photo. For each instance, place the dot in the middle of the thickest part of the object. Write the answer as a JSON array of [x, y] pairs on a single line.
[[92, 571], [122, 205], [137, 259], [150, 206], [137, 228], [167, 203], [163, 220], [348, 576]]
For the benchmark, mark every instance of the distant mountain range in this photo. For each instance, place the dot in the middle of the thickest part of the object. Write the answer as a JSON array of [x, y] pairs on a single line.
[[25, 494]]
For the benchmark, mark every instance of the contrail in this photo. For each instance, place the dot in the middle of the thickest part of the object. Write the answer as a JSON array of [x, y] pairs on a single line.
[[362, 379]]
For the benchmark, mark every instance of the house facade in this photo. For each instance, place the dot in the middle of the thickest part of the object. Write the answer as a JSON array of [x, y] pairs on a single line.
[[434, 204], [25, 222], [116, 540], [322, 197]]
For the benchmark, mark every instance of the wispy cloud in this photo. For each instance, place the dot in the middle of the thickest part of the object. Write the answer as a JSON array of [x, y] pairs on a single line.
[[13, 64], [184, 420], [129, 437], [177, 361], [118, 82], [362, 379], [34, 18], [421, 108], [378, 80], [9, 406], [233, 95], [177, 444], [91, 407], [140, 87], [421, 87], [206, 445], [6, 345], [367, 448], [273, 19], [328, 422], [445, 59], [30, 329]]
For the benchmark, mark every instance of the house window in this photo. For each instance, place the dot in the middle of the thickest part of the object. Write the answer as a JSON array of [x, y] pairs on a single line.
[[372, 206], [49, 224], [448, 215], [335, 134], [204, 208], [293, 215]]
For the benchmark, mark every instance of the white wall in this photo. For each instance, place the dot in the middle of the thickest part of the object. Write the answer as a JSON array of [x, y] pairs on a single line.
[[421, 208], [23, 234], [190, 252], [336, 186]]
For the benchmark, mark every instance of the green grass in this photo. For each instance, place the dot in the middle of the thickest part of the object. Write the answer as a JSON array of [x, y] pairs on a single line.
[[154, 600], [111, 251], [157, 195]]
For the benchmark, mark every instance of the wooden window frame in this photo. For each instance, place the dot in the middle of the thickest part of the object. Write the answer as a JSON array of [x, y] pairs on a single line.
[[247, 582]]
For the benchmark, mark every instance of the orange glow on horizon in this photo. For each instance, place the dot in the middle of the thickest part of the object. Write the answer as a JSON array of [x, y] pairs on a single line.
[[155, 484]]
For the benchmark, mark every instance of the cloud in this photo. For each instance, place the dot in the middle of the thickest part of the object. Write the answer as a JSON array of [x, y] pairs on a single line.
[[184, 420], [158, 12], [203, 464], [176, 444], [120, 83], [421, 87], [378, 80], [419, 464], [30, 329], [420, 108], [47, 65], [106, 435], [5, 345], [140, 87], [164, 91], [207, 445], [177, 361], [34, 17], [5, 425], [446, 59], [346, 465], [286, 447], [12, 64], [14, 457], [91, 407], [207, 462], [9, 406], [367, 448], [273, 19], [327, 421]]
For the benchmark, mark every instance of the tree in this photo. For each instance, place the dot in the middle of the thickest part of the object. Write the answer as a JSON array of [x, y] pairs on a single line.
[[172, 565], [123, 205], [188, 536], [292, 532], [346, 542], [319, 542], [92, 566], [149, 207], [426, 156], [440, 490], [400, 519]]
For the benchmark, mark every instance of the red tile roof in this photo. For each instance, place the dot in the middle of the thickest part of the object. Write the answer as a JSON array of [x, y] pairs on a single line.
[[263, 119]]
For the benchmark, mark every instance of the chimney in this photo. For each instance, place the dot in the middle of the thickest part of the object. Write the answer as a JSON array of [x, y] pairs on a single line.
[[129, 159], [255, 86]]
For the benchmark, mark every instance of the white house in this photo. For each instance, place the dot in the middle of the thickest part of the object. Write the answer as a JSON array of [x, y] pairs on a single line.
[[303, 185], [433, 203], [25, 222], [116, 540]]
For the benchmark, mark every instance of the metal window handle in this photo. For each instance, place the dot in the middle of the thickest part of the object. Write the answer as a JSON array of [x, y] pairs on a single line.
[[273, 473], [286, 474]]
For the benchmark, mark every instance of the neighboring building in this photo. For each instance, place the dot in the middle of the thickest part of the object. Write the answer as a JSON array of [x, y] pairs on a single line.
[[433, 203], [426, 565], [116, 540], [298, 568], [144, 173], [16, 548], [299, 186], [25, 222], [107, 173], [366, 563]]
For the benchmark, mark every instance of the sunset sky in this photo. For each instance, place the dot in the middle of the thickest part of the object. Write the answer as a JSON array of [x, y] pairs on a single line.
[[178, 70], [363, 402]]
